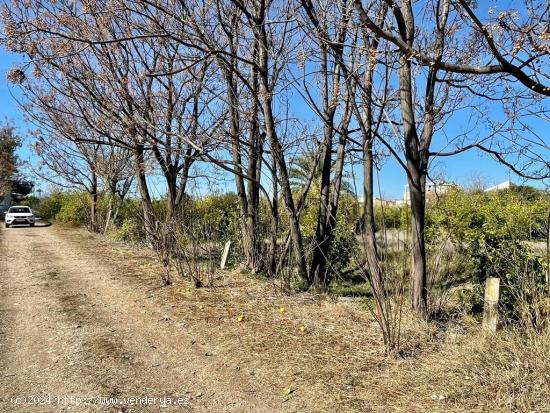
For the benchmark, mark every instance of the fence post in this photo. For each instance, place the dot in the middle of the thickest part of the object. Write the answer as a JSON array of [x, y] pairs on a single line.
[[490, 307], [225, 254]]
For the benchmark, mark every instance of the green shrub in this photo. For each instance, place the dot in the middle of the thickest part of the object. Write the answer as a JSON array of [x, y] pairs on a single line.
[[130, 230], [491, 231], [470, 299], [213, 217], [344, 243], [31, 201], [51, 205], [479, 223], [75, 210], [392, 217], [70, 207]]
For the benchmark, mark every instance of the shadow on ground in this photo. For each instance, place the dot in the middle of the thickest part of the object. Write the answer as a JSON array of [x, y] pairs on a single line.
[[37, 225]]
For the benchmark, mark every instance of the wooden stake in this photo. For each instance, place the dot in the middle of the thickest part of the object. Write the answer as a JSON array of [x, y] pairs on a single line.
[[225, 254], [490, 308]]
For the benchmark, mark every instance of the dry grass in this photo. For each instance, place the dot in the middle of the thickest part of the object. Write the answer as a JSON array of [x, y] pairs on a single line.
[[479, 373], [323, 355]]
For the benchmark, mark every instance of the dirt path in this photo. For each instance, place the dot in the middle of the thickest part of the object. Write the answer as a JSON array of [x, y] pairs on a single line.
[[71, 326]]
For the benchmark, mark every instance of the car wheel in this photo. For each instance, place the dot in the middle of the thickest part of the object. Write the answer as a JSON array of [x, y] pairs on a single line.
[[32, 225], [7, 225]]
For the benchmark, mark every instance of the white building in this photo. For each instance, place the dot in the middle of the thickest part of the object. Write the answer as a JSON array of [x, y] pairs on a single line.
[[434, 189], [502, 185], [384, 202]]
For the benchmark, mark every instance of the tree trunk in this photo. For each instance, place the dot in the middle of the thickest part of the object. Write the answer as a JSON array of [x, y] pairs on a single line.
[[325, 220], [252, 251], [321, 243], [248, 227], [93, 207], [114, 215], [248, 201], [109, 213], [255, 151], [416, 173], [332, 210], [274, 223], [369, 229], [294, 223], [419, 288], [171, 201], [277, 153], [148, 215]]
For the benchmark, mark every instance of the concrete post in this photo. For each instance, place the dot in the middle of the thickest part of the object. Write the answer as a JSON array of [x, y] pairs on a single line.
[[490, 308], [225, 254]]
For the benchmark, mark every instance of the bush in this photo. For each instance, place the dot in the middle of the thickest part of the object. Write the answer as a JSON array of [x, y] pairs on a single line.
[[76, 211], [392, 217], [491, 231], [470, 299], [523, 297], [213, 217], [478, 223], [66, 207], [130, 230], [344, 242], [31, 201], [51, 205]]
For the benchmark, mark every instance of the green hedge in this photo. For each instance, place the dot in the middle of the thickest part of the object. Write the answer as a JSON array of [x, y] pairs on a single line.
[[69, 207]]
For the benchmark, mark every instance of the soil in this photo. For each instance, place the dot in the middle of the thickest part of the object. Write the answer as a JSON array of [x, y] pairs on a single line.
[[84, 317], [73, 325]]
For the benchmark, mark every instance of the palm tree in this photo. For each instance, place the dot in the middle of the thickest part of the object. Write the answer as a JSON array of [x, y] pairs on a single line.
[[306, 164]]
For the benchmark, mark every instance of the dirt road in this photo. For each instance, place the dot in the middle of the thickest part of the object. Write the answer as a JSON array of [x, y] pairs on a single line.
[[76, 335], [86, 327]]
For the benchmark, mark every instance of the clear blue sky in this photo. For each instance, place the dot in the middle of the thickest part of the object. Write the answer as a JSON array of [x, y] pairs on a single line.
[[460, 169], [8, 106]]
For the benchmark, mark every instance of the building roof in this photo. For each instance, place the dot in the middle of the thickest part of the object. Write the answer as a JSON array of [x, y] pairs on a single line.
[[502, 185]]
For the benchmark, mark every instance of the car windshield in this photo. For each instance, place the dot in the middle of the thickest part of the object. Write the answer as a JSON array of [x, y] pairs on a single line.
[[19, 210]]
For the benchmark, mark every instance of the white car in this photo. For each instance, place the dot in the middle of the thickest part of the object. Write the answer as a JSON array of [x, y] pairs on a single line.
[[19, 215]]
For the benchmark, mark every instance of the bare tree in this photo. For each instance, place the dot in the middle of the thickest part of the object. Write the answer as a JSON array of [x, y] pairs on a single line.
[[335, 112], [134, 93], [440, 99], [114, 166], [70, 165], [178, 83]]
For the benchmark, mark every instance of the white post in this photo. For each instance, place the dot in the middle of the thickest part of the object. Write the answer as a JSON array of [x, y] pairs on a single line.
[[490, 308], [225, 254]]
